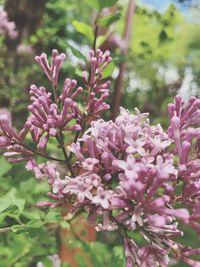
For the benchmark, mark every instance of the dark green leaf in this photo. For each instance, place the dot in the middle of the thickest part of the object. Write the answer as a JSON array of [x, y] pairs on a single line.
[[100, 4], [145, 44], [163, 36], [106, 3]]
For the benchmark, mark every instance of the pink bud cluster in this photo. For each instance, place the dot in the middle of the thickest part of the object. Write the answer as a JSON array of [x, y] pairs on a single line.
[[185, 131], [7, 27], [9, 139], [51, 70], [52, 115], [125, 173], [48, 118], [96, 84]]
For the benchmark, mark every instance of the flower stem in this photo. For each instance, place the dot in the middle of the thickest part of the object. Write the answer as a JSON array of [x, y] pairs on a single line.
[[38, 153], [5, 230]]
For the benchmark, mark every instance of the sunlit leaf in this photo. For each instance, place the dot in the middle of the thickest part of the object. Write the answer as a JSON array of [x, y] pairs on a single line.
[[93, 3], [84, 29], [109, 70], [100, 40]]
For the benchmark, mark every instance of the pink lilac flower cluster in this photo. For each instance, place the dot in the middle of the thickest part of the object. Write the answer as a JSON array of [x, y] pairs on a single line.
[[185, 131], [95, 83], [125, 173], [7, 27]]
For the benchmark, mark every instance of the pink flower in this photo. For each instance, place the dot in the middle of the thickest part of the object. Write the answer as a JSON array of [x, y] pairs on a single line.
[[102, 198], [7, 28], [129, 167], [89, 164]]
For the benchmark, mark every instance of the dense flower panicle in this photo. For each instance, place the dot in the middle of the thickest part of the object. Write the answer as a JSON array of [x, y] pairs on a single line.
[[123, 173], [125, 167], [7, 27]]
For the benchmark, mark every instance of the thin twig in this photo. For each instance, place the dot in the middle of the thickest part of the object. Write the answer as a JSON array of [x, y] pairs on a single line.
[[5, 230], [55, 94], [75, 215], [89, 89], [95, 32], [62, 145], [60, 138], [38, 153]]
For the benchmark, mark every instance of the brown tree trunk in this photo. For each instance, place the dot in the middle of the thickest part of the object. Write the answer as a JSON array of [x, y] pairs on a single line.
[[27, 15], [79, 230]]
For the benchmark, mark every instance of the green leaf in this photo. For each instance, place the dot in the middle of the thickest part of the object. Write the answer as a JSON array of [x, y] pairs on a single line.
[[79, 73], [33, 227], [101, 39], [80, 260], [11, 203], [101, 4], [84, 29], [34, 39], [108, 20], [93, 3], [145, 45], [108, 70], [53, 216], [163, 36], [10, 209], [106, 3], [5, 166], [76, 52], [30, 215], [118, 252]]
